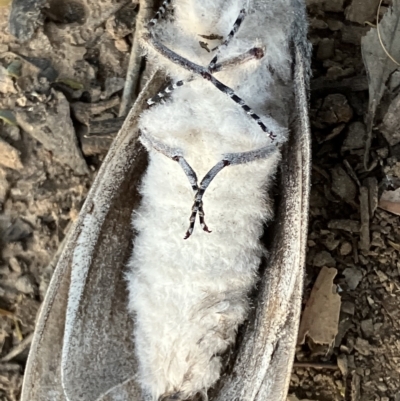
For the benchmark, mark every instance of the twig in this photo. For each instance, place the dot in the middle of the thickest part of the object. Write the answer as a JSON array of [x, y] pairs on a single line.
[[25, 343], [132, 75]]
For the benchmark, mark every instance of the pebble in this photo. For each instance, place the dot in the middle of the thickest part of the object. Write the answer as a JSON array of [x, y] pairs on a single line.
[[342, 184], [324, 258], [343, 364], [356, 136], [348, 307], [326, 49], [26, 284], [367, 327], [362, 346], [345, 248], [9, 156], [353, 277]]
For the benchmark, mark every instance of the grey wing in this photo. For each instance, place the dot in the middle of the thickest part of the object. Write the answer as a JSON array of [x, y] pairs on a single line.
[[83, 346], [265, 359]]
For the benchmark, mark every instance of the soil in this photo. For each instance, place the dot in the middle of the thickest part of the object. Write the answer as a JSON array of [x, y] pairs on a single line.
[[61, 83]]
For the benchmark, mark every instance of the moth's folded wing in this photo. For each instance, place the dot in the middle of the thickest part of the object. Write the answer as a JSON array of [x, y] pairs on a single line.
[[98, 351], [83, 348], [42, 379], [264, 362]]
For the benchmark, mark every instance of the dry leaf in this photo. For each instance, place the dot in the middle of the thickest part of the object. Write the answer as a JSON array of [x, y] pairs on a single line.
[[378, 65], [321, 315]]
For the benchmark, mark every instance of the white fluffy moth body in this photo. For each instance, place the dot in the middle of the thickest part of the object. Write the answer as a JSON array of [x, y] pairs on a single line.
[[216, 136]]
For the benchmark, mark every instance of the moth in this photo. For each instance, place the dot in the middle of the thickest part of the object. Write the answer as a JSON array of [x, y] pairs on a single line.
[[211, 151]]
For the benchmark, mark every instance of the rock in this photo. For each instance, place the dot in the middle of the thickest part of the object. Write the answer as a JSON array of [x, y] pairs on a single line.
[[348, 307], [16, 231], [345, 248], [326, 49], [324, 258], [390, 127], [343, 365], [4, 185], [112, 85], [51, 125], [335, 109], [9, 156], [356, 136], [353, 34], [361, 11], [25, 17], [11, 132], [342, 184], [335, 6], [362, 346], [353, 277], [367, 327], [334, 25], [351, 226], [6, 82], [381, 387], [26, 284]]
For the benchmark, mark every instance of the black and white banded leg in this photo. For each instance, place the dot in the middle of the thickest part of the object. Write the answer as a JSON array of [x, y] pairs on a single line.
[[159, 14], [164, 93], [230, 36], [255, 53], [229, 159], [205, 73]]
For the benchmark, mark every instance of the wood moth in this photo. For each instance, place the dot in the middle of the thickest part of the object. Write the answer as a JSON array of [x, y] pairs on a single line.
[[143, 313]]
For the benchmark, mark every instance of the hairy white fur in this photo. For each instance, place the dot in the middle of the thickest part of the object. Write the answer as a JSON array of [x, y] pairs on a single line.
[[189, 296]]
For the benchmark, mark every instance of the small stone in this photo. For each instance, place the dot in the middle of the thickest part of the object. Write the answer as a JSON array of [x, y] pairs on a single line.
[[381, 275], [356, 136], [6, 82], [9, 156], [342, 184], [345, 248], [4, 186], [351, 226], [14, 265], [3, 48], [17, 231], [121, 45], [335, 109], [318, 24], [382, 387], [334, 6], [330, 242], [361, 11], [326, 49], [367, 327], [324, 258], [11, 132], [362, 346], [348, 307], [26, 284], [334, 25], [343, 364], [353, 277]]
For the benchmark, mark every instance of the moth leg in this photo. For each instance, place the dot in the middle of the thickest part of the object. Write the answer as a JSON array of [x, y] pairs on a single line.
[[199, 70], [230, 36], [165, 92], [255, 53], [198, 199], [229, 159], [159, 14], [174, 154]]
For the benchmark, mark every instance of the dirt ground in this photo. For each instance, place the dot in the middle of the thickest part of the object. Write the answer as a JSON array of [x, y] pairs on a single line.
[[60, 91]]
